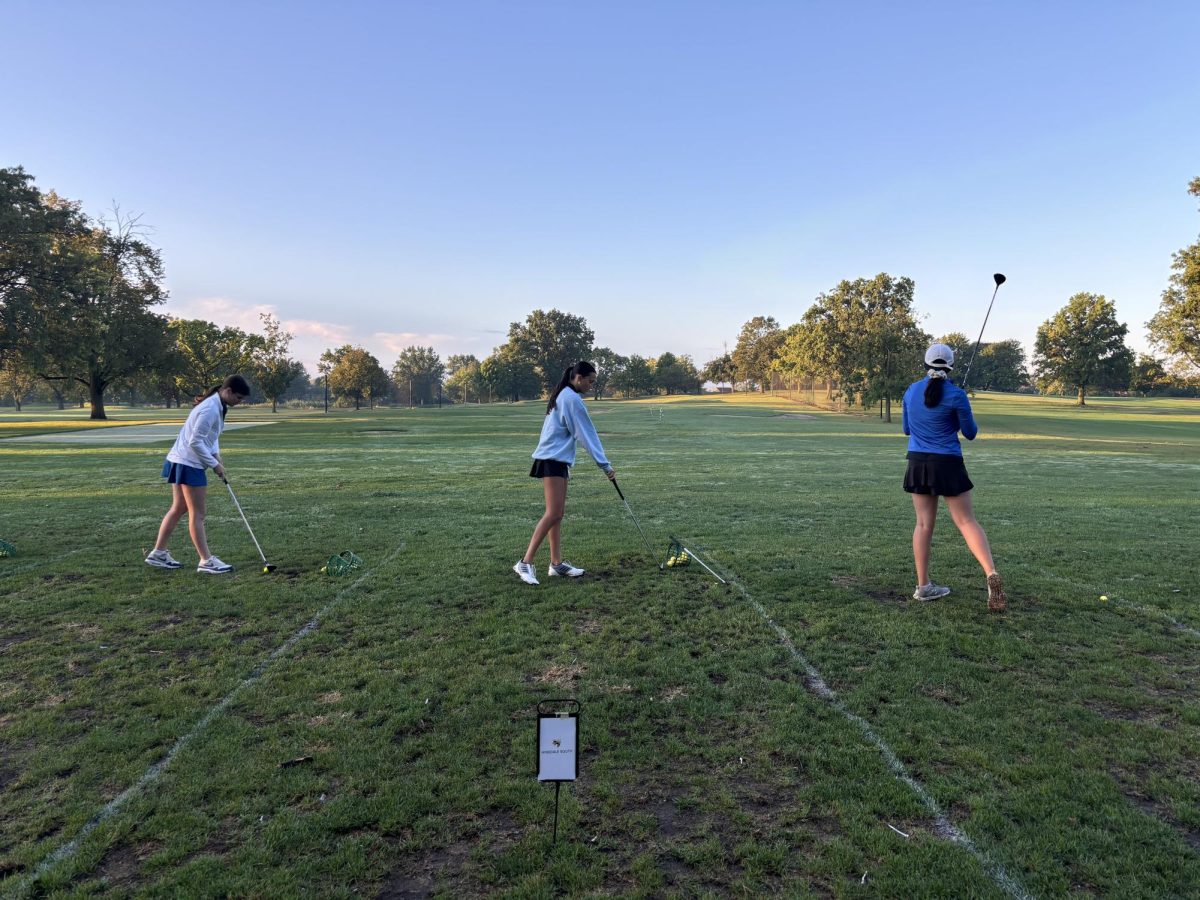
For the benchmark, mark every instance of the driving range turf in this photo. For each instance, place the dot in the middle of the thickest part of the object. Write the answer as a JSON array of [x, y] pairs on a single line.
[[374, 734]]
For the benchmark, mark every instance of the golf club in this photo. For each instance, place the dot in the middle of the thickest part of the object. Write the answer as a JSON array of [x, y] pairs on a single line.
[[999, 279], [635, 520], [267, 567]]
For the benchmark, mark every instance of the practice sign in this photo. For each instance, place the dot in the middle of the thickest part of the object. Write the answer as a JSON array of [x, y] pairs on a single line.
[[558, 741]]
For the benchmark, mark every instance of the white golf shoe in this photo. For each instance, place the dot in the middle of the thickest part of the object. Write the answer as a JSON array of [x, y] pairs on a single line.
[[213, 566], [930, 591], [526, 571], [564, 570], [162, 559]]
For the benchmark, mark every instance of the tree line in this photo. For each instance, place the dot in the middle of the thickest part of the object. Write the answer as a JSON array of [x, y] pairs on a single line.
[[78, 320]]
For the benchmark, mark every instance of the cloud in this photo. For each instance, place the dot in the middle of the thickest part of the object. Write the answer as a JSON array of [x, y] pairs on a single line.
[[312, 337]]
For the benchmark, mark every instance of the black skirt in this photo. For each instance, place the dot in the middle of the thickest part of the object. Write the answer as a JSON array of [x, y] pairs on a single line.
[[549, 468], [942, 474]]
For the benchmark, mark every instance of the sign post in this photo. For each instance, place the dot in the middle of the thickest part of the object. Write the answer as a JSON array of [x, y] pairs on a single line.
[[557, 746]]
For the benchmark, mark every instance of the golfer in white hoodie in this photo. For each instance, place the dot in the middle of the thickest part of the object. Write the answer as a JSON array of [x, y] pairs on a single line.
[[195, 450], [567, 421]]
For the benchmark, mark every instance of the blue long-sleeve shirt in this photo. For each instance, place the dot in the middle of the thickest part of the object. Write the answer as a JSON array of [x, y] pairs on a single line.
[[934, 429], [567, 423]]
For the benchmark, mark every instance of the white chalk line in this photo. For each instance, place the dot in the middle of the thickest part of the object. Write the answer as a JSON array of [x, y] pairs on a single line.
[[943, 827], [114, 806]]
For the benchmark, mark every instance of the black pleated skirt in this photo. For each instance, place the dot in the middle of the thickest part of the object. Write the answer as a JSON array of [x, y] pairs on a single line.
[[942, 474]]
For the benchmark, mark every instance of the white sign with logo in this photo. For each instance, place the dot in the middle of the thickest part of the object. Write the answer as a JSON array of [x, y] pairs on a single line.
[[558, 740]]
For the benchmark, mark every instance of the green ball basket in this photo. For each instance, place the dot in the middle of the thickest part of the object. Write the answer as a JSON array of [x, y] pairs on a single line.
[[343, 563]]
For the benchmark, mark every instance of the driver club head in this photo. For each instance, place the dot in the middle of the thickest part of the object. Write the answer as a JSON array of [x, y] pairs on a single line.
[[268, 569], [1000, 279]]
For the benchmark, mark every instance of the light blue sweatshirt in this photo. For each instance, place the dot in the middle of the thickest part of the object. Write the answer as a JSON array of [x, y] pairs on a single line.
[[567, 423], [935, 429]]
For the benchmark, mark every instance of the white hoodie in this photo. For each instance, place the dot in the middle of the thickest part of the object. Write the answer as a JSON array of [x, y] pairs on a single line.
[[197, 445]]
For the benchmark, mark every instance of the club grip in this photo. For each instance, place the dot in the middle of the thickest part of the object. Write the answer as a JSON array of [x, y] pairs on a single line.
[[618, 487]]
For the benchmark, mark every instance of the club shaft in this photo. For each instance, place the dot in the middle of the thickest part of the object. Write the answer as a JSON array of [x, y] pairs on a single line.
[[233, 497], [696, 557], [638, 524], [979, 340]]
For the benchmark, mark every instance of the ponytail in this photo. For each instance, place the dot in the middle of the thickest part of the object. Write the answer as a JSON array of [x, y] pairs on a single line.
[[580, 368], [937, 384]]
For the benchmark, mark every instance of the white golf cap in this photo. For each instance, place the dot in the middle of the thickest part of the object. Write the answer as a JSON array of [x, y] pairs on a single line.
[[940, 356]]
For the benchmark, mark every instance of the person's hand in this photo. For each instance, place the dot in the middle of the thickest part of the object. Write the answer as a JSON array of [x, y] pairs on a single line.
[[219, 470], [612, 474]]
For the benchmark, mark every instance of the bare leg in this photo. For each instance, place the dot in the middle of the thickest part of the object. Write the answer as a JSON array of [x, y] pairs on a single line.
[[196, 504], [171, 519], [555, 490], [972, 531], [925, 506]]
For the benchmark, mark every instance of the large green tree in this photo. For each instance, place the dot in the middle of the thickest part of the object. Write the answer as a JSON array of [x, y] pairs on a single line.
[[676, 374], [96, 324], [465, 380], [635, 378], [205, 353], [551, 341], [353, 373], [864, 337], [36, 232], [1175, 328], [999, 367], [417, 374], [607, 363], [273, 369], [510, 374], [720, 370], [1082, 346], [758, 346]]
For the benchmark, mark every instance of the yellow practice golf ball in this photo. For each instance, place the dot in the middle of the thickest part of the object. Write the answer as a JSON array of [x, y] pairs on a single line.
[[1104, 596]]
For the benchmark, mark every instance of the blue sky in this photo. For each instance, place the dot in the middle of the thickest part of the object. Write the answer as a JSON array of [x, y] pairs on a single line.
[[388, 174]]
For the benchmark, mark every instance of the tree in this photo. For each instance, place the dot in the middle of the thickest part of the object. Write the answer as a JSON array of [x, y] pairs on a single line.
[[1082, 346], [635, 378], [352, 373], [510, 374], [1149, 376], [1000, 367], [676, 374], [418, 374], [34, 229], [607, 362], [273, 369], [720, 370], [863, 336], [757, 347], [205, 353], [467, 379], [1175, 328], [17, 379], [551, 341], [96, 325]]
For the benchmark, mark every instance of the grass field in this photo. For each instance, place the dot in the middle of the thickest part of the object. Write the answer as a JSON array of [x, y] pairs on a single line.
[[1060, 741]]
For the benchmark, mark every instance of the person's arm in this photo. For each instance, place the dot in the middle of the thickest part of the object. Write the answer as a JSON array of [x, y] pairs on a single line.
[[579, 423], [904, 414], [204, 438], [966, 420]]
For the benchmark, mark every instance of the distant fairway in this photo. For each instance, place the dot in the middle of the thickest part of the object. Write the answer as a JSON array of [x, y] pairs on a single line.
[[1062, 738]]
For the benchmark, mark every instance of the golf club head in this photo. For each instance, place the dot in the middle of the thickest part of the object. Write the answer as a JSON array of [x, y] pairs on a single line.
[[268, 569], [999, 279]]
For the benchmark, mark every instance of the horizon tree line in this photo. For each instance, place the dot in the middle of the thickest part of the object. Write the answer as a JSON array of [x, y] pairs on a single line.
[[78, 320]]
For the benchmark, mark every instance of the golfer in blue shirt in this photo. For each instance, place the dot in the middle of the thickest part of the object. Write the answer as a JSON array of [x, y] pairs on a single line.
[[567, 422], [935, 411]]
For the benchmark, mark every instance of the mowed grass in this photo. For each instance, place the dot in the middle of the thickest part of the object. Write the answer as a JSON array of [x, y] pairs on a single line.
[[1061, 737]]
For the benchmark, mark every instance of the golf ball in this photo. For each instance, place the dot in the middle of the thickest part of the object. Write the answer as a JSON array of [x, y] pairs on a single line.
[[1104, 596]]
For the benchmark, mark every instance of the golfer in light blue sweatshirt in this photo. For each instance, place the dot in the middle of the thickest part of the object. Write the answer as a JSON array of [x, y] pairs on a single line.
[[567, 423], [935, 411]]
